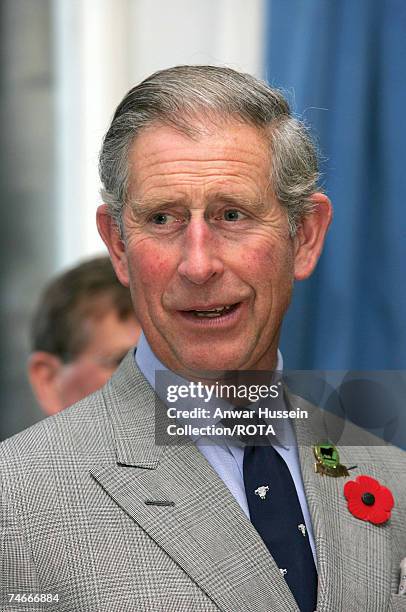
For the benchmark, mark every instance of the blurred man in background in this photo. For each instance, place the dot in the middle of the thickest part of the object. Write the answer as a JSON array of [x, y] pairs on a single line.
[[83, 327]]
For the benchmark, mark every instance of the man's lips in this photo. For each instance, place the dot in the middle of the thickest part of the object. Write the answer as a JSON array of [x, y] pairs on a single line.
[[210, 312], [206, 307], [214, 307]]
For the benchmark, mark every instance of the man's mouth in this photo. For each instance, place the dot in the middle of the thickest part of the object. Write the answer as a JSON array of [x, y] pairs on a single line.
[[211, 313]]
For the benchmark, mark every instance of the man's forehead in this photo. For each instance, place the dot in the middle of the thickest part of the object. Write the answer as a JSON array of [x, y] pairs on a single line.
[[233, 161]]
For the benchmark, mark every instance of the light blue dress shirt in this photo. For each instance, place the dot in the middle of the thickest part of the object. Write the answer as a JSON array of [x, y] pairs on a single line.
[[226, 455]]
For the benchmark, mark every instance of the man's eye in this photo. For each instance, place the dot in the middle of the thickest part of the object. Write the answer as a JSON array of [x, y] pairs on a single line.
[[233, 215], [163, 219]]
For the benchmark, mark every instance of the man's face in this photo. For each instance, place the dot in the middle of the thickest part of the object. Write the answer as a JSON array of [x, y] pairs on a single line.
[[58, 385], [204, 233], [206, 251], [109, 339]]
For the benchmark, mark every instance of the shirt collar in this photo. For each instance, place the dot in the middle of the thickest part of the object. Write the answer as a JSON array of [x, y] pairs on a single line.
[[149, 364]]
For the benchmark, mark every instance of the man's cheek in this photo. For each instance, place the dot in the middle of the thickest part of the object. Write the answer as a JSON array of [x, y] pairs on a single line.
[[151, 266], [259, 263]]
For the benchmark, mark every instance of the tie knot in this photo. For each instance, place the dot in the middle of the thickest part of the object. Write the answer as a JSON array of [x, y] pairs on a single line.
[[252, 431]]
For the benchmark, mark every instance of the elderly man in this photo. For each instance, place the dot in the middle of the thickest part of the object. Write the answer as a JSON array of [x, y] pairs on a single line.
[[211, 212]]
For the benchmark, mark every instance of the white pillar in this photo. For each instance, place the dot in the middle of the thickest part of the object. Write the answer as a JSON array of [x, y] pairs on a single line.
[[91, 70]]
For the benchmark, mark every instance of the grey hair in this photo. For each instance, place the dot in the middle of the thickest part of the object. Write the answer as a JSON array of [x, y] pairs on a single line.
[[184, 97]]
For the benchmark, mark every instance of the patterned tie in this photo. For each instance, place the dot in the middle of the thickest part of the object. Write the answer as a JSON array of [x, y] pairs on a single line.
[[277, 516]]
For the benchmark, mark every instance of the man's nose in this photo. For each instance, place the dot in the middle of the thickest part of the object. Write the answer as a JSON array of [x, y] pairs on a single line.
[[200, 259]]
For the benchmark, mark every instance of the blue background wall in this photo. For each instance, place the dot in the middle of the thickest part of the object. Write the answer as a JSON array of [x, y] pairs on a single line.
[[344, 64]]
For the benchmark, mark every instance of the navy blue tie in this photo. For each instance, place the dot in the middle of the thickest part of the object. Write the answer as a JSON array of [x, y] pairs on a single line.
[[277, 516]]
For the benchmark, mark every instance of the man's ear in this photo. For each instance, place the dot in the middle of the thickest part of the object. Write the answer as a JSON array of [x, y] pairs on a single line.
[[110, 235], [43, 372], [309, 238]]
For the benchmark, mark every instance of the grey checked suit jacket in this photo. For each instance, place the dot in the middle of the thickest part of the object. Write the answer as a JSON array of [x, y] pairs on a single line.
[[74, 520]]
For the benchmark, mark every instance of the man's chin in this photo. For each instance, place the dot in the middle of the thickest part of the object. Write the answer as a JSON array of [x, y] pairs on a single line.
[[211, 366]]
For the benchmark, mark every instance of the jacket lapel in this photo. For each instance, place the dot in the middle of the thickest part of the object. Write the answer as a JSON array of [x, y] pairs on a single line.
[[354, 557], [179, 500]]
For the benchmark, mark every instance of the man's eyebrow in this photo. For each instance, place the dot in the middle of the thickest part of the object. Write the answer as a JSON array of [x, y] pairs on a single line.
[[256, 205], [150, 204]]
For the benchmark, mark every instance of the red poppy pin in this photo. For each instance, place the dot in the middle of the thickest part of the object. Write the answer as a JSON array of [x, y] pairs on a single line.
[[368, 500]]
